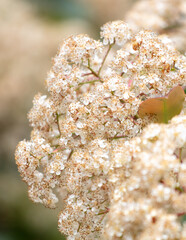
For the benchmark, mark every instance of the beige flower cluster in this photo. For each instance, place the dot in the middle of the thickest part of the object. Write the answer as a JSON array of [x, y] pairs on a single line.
[[80, 130], [149, 179], [162, 16]]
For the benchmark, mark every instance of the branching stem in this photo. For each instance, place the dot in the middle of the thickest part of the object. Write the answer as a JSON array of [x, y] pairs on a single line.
[[93, 72]]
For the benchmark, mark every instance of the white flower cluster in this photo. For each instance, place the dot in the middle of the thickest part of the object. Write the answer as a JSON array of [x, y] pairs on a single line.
[[149, 184], [161, 16], [80, 130], [115, 32]]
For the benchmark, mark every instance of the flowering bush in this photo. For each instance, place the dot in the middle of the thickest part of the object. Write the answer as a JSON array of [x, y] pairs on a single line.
[[88, 147]]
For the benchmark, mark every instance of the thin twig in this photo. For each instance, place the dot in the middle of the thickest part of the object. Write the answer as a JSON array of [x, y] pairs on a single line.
[[70, 154], [180, 153], [104, 59], [104, 212], [117, 137], [88, 82], [93, 81], [57, 121], [86, 74], [94, 73]]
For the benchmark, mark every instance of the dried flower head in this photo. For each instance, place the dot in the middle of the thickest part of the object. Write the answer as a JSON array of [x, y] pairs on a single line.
[[89, 117]]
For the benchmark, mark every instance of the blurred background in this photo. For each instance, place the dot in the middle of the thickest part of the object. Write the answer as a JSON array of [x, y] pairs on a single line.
[[30, 33]]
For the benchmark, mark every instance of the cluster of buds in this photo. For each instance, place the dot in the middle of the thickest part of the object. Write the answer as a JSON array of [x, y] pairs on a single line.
[[86, 149]]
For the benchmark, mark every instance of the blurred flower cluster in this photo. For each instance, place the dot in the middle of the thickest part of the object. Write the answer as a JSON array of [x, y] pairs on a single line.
[[161, 16], [27, 44], [88, 147], [165, 17], [148, 178]]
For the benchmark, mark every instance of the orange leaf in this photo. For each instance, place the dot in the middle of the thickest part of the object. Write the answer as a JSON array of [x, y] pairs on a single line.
[[164, 108]]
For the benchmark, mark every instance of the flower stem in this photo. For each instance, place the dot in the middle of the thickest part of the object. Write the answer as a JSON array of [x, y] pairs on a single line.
[[117, 137], [93, 81], [105, 57], [93, 72], [180, 153]]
